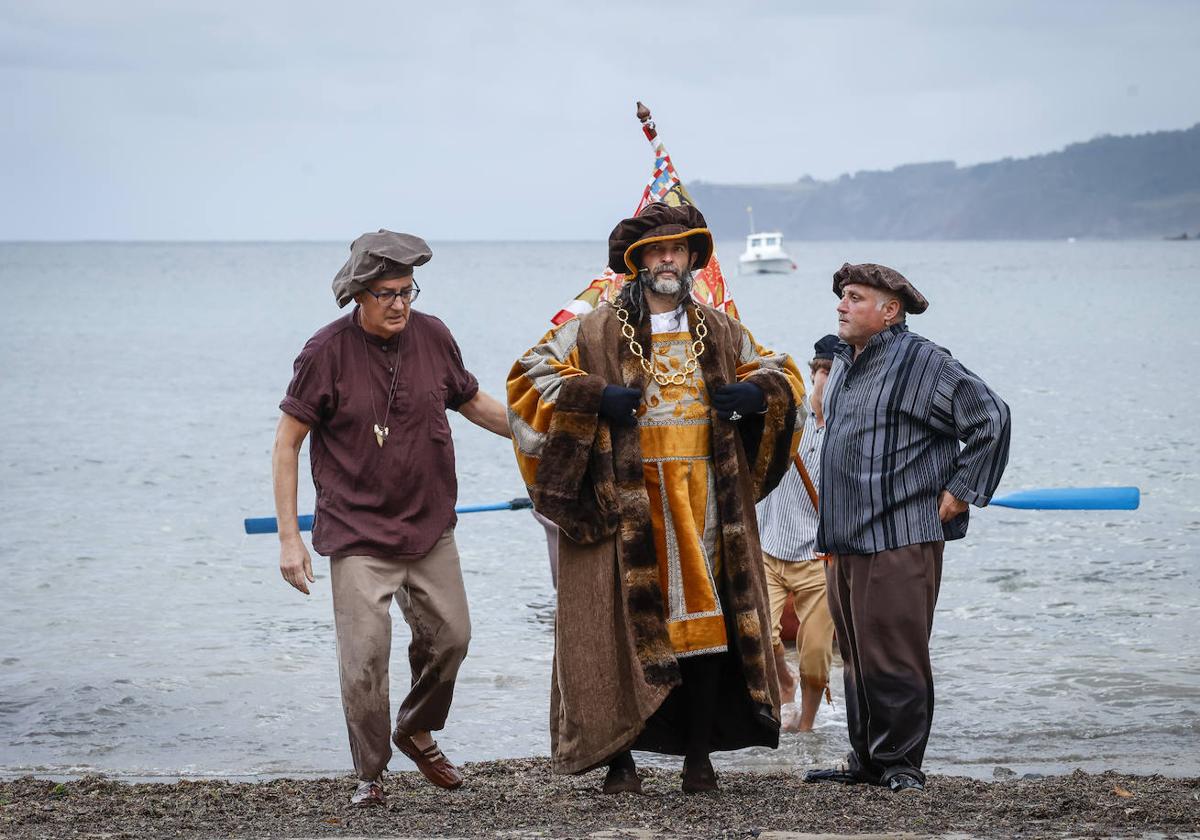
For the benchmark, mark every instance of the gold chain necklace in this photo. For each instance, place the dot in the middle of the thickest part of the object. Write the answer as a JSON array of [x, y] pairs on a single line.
[[689, 366]]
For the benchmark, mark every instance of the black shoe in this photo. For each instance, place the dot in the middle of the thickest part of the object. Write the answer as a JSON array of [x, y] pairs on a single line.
[[904, 781], [837, 775], [699, 777], [622, 779]]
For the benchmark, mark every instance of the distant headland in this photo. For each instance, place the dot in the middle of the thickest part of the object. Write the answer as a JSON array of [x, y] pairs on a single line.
[[1144, 186]]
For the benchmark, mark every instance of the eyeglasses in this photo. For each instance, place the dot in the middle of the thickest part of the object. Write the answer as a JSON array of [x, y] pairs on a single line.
[[387, 297]]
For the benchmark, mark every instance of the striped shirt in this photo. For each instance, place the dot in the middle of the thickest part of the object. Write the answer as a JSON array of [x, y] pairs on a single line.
[[787, 520], [894, 418]]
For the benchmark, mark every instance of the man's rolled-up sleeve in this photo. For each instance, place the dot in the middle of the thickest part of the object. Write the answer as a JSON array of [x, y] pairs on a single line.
[[309, 395], [461, 384]]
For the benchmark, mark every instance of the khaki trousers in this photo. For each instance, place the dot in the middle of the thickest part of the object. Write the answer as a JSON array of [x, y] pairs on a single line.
[[804, 580], [433, 601], [883, 607]]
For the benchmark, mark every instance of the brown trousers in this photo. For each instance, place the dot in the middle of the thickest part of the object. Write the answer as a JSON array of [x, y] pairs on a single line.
[[433, 601], [882, 606]]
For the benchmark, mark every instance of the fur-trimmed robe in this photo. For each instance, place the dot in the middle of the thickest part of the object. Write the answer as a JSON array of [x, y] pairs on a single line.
[[614, 665]]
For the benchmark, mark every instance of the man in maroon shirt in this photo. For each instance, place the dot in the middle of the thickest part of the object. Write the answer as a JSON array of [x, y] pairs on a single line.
[[372, 388]]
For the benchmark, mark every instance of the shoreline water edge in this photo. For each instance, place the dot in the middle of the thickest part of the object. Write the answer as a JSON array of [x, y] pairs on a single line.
[[522, 798]]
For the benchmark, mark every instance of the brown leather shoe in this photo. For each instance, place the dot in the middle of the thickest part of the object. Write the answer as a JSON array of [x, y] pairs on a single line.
[[699, 777], [622, 780], [432, 762]]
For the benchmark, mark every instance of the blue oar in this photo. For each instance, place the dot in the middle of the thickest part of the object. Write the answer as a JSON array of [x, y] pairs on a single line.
[[1047, 498], [1072, 498], [269, 525]]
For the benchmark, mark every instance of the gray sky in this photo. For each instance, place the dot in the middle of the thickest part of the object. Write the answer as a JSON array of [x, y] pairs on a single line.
[[205, 119]]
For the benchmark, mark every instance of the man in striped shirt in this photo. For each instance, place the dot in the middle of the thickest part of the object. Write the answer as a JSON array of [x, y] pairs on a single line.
[[912, 437]]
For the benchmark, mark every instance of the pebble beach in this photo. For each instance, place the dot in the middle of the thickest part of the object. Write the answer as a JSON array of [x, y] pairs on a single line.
[[523, 799]]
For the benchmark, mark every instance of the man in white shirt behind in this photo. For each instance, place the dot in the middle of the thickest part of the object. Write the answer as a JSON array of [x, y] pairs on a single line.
[[787, 522]]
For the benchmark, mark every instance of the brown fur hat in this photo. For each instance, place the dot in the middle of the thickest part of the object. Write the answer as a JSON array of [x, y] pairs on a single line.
[[658, 222]]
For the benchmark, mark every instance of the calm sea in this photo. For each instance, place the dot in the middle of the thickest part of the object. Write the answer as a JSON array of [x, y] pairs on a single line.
[[142, 634]]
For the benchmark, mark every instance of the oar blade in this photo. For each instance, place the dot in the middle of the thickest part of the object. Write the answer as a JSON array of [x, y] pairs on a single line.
[[1072, 498]]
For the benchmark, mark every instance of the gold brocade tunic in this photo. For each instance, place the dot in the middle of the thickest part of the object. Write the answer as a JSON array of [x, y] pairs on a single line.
[[677, 455]]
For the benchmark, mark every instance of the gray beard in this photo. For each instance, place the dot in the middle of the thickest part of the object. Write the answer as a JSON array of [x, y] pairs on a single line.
[[667, 284]]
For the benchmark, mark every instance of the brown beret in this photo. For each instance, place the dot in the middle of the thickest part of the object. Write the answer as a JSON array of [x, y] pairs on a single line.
[[375, 255], [658, 222], [881, 277]]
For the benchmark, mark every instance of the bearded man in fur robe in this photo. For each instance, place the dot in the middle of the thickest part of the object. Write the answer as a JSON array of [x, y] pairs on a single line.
[[647, 430]]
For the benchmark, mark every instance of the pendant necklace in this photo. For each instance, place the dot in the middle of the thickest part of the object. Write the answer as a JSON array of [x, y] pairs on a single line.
[[381, 429]]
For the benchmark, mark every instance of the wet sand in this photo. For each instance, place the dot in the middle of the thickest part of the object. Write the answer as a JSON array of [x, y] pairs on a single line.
[[521, 798]]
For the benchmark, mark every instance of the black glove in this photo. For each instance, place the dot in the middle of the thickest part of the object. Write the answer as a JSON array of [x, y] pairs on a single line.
[[619, 405], [741, 398]]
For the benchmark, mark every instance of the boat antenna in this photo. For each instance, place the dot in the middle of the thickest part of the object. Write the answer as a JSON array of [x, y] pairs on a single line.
[[750, 213]]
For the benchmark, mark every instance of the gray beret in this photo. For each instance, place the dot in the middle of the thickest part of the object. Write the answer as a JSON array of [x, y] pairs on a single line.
[[881, 277], [375, 255]]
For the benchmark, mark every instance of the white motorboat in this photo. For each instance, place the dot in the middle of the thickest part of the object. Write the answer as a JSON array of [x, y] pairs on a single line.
[[764, 254]]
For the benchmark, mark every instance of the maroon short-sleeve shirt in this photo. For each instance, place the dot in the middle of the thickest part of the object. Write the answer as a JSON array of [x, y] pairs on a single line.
[[394, 500]]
